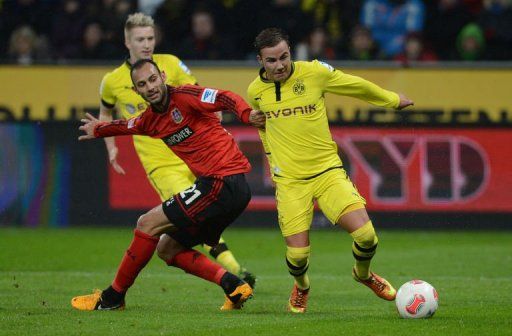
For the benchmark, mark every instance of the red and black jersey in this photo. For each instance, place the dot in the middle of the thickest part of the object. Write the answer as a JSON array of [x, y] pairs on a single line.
[[191, 129]]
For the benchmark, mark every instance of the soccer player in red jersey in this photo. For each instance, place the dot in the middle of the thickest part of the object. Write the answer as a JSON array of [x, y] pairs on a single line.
[[183, 117]]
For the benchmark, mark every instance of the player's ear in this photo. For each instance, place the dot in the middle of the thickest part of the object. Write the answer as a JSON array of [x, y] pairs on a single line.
[[164, 76], [260, 61]]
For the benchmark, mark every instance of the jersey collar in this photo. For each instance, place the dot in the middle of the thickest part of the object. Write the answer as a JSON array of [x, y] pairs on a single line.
[[129, 65], [265, 80]]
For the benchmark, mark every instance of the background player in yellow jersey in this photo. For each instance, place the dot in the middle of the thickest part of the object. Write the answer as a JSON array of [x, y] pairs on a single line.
[[167, 173], [304, 159]]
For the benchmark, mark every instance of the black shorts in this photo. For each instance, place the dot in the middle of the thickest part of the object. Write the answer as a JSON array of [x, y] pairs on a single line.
[[203, 211]]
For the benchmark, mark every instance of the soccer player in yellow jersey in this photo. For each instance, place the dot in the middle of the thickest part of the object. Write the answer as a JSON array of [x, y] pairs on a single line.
[[167, 173], [304, 158]]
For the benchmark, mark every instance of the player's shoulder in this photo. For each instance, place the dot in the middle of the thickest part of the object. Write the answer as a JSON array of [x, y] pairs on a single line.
[[187, 89], [169, 63], [165, 59], [121, 70], [115, 76], [256, 85], [316, 65], [316, 71]]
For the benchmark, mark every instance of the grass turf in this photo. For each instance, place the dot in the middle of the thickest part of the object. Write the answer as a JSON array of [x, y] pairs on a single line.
[[41, 270]]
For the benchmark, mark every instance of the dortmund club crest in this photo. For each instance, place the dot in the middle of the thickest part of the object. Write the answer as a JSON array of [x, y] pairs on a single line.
[[176, 116], [299, 88], [142, 106]]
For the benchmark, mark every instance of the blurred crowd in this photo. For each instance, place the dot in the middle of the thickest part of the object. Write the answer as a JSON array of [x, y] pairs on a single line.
[[33, 31]]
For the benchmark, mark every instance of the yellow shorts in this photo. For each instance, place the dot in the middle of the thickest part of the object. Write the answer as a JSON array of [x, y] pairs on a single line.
[[333, 191], [171, 179]]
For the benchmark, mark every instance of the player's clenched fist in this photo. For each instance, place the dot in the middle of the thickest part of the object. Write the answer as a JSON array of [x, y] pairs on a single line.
[[257, 119]]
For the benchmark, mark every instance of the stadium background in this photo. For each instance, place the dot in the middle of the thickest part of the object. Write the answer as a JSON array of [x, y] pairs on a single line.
[[66, 218], [449, 170], [444, 163]]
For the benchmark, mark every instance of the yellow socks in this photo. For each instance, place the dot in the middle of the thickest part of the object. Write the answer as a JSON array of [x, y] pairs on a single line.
[[363, 248], [297, 260], [224, 256]]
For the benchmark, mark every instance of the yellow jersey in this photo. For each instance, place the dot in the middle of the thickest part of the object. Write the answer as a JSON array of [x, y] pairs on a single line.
[[116, 91], [297, 138]]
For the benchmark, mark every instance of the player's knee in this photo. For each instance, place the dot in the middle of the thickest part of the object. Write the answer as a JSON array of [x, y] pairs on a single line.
[[145, 224], [365, 242], [365, 236], [297, 259]]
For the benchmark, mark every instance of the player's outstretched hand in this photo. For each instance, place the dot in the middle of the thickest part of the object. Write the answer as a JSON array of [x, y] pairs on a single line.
[[257, 119], [88, 127], [112, 157], [404, 101]]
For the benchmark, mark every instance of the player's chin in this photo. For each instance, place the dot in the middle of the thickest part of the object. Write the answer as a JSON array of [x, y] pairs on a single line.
[[280, 76], [154, 99]]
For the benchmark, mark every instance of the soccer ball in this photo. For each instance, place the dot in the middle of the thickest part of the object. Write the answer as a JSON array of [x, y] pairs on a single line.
[[416, 299]]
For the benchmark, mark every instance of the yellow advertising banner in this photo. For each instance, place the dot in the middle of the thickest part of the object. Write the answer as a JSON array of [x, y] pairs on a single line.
[[460, 96]]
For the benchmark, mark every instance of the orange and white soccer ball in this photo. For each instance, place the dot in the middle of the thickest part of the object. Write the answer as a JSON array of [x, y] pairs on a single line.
[[416, 299]]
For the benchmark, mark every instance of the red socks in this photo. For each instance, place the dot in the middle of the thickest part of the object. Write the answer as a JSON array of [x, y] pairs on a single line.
[[140, 252], [196, 263], [136, 257]]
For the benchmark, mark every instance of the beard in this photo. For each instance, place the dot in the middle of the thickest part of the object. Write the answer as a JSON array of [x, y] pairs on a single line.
[[159, 104]]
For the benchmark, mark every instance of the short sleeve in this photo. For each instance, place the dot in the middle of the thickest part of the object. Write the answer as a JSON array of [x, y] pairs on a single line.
[[106, 94]]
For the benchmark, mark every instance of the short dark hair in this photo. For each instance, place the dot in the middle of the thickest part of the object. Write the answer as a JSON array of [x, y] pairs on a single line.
[[140, 63], [270, 37]]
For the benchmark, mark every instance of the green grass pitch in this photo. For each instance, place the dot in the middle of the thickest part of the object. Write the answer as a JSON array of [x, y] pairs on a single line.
[[41, 270]]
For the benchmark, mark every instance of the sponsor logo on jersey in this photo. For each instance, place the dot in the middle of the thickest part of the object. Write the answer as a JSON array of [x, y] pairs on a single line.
[[287, 112], [130, 108], [176, 116], [299, 88], [185, 68], [326, 65], [131, 122], [179, 136], [209, 96]]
